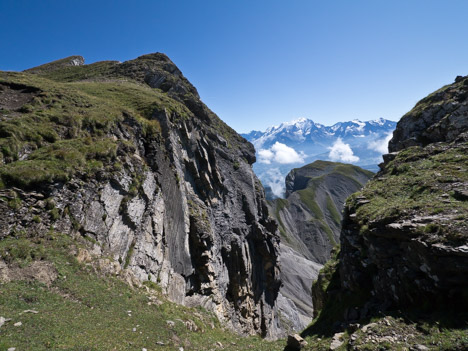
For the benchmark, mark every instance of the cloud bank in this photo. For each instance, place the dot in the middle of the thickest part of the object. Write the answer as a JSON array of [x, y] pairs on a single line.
[[342, 152], [276, 181], [380, 145], [280, 153]]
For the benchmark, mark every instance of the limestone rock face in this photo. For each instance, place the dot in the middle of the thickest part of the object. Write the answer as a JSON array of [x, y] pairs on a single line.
[[405, 235], [180, 206]]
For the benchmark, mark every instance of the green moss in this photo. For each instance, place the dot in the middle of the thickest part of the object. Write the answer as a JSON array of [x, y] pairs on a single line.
[[307, 196], [129, 254], [418, 182], [54, 214], [335, 215], [59, 161], [279, 205], [15, 203], [65, 124]]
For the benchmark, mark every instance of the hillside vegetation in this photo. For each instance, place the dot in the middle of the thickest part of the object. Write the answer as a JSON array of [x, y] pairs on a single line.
[[66, 299]]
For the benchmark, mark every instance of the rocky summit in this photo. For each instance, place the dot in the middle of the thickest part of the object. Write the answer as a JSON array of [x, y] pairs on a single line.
[[127, 156]]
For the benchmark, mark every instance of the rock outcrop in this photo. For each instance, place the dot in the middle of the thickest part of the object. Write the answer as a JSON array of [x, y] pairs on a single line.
[[405, 235], [127, 156], [439, 117]]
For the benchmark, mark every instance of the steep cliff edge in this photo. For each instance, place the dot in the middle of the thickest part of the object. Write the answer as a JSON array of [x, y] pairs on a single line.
[[127, 156], [403, 261]]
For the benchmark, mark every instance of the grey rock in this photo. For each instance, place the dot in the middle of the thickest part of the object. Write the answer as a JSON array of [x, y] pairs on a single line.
[[4, 320], [30, 311], [308, 236], [337, 341], [296, 342], [312, 227], [368, 327], [295, 298], [440, 117]]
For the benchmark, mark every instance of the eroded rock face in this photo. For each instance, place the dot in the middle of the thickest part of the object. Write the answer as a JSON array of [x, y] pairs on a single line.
[[184, 208], [399, 265]]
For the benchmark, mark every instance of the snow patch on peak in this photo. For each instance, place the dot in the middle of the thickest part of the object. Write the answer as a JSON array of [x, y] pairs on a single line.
[[300, 120], [380, 121]]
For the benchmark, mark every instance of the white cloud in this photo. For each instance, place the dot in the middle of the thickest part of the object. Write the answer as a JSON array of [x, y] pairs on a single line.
[[380, 145], [265, 156], [276, 181], [340, 151], [280, 153]]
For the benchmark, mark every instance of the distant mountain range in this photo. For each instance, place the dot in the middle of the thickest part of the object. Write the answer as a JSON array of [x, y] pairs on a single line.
[[293, 144]]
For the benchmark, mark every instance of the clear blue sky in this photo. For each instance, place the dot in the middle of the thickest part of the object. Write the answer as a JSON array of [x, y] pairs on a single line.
[[257, 63]]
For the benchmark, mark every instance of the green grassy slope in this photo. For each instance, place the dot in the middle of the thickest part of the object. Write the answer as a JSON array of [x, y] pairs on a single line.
[[86, 309], [421, 182]]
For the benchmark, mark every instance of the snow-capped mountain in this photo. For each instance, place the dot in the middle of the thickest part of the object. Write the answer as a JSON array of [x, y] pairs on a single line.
[[301, 141]]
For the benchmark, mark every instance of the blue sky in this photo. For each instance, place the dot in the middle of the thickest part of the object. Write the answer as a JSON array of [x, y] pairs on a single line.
[[259, 63]]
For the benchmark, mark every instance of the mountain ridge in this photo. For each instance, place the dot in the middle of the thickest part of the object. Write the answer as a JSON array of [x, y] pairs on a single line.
[[296, 143], [301, 127]]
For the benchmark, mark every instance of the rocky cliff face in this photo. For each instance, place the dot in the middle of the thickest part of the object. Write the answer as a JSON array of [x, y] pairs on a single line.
[[126, 155], [405, 235]]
